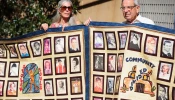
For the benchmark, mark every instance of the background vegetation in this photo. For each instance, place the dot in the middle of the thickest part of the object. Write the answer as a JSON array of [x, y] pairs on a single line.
[[18, 17]]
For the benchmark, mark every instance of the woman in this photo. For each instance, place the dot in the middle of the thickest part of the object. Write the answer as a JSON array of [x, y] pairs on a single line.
[[47, 67], [12, 88], [13, 53], [64, 16], [47, 46], [75, 65]]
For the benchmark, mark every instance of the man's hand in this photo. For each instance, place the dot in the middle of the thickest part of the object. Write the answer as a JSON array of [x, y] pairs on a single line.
[[87, 21]]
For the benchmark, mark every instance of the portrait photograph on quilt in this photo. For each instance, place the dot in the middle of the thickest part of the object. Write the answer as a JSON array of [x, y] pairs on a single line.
[[95, 62]]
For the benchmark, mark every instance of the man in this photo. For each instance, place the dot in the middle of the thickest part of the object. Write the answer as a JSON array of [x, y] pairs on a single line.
[[37, 48], [98, 63], [110, 86], [123, 38], [162, 95], [74, 45], [48, 88], [134, 43], [167, 49], [23, 50], [98, 85], [130, 9], [61, 87]]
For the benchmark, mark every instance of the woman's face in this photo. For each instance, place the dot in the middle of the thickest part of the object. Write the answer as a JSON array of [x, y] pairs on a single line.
[[46, 46], [65, 10], [12, 85], [47, 65], [165, 69]]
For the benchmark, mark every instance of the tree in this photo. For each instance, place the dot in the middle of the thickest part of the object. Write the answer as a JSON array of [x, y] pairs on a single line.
[[18, 17]]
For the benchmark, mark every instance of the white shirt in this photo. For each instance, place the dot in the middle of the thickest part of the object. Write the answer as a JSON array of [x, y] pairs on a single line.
[[59, 48], [141, 19], [14, 71], [75, 68], [75, 85]]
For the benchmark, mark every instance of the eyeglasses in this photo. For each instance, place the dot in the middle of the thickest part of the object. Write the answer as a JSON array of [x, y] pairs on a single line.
[[63, 8], [127, 7]]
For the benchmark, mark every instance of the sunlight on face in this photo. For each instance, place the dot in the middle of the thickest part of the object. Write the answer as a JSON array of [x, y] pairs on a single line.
[[65, 13]]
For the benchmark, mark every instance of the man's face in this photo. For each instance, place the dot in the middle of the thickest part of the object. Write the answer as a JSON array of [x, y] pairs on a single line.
[[167, 47], [37, 46], [111, 37], [48, 86], [98, 83], [130, 12], [73, 63], [110, 84], [58, 42], [60, 84], [123, 38], [161, 92], [74, 43], [23, 49]]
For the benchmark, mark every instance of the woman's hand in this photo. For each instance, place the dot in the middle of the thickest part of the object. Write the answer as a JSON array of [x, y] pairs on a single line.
[[44, 26]]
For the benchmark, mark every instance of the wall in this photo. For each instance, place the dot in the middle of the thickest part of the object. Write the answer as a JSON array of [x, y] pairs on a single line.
[[162, 12], [108, 11]]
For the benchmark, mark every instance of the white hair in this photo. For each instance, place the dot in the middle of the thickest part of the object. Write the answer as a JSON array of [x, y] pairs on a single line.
[[136, 2], [57, 17]]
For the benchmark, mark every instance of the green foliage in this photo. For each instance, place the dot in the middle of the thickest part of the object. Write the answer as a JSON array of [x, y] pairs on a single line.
[[18, 17]]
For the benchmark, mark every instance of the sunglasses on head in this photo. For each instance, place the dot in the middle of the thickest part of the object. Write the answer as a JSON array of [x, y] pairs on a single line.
[[63, 8]]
